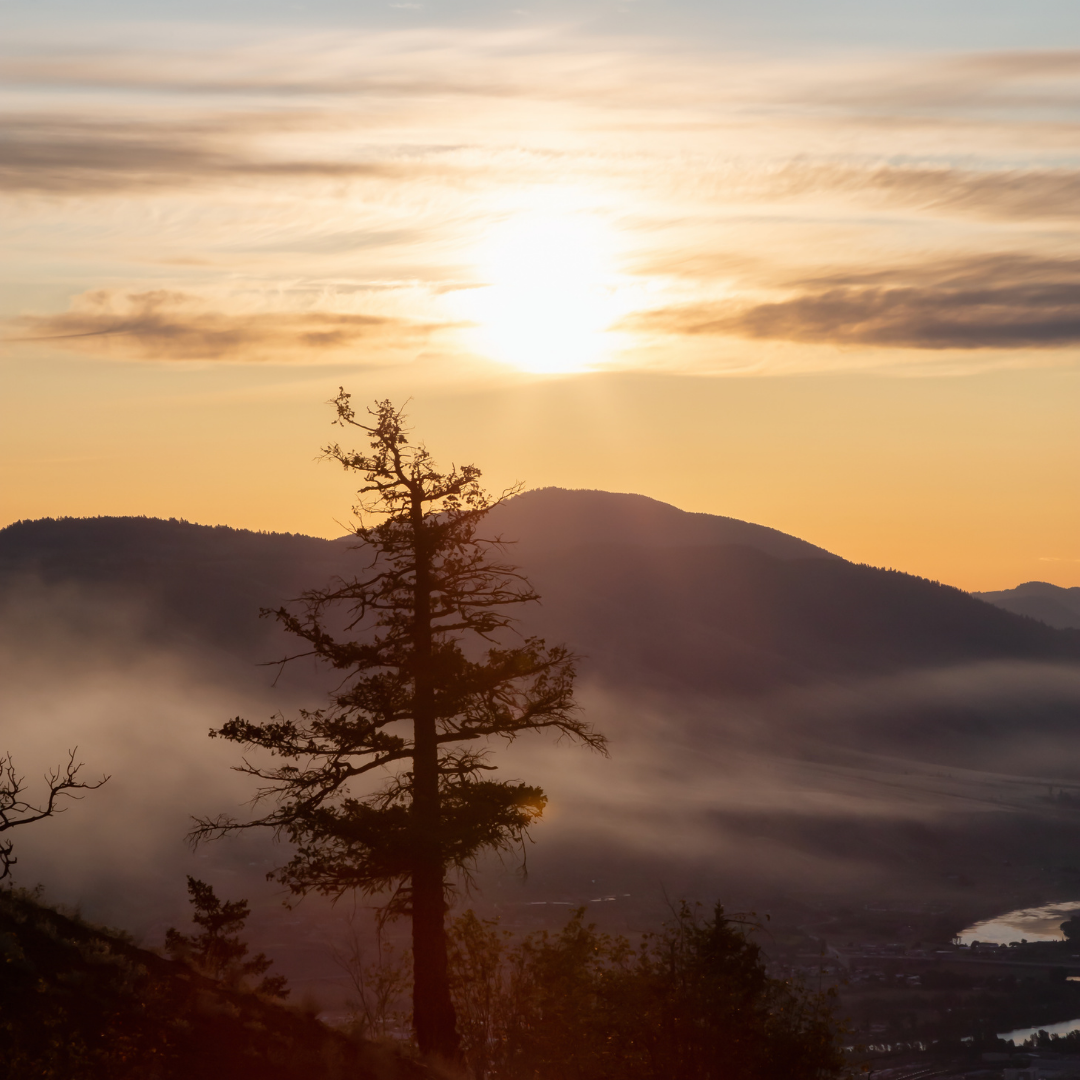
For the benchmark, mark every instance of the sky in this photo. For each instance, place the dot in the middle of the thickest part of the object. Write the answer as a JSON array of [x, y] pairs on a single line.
[[810, 264]]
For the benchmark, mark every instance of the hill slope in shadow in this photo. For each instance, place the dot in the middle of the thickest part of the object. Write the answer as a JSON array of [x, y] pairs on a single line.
[[78, 1000]]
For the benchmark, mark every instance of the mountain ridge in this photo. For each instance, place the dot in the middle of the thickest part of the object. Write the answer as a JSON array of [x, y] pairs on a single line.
[[712, 616]]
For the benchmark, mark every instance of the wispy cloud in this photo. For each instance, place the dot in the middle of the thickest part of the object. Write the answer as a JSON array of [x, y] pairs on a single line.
[[1031, 79], [78, 156], [747, 196], [72, 155], [554, 62], [995, 193], [166, 325]]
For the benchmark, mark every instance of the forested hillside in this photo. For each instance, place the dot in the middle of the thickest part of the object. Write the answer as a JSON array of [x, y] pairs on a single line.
[[646, 593]]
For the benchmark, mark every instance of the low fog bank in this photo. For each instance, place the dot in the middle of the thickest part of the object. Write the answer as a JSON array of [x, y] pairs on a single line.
[[930, 786], [76, 671], [939, 786]]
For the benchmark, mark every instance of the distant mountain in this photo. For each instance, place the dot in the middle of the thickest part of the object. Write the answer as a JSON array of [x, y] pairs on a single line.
[[648, 594], [201, 584], [1051, 604]]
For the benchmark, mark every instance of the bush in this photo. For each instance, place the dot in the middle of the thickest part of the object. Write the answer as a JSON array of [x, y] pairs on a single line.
[[693, 1002]]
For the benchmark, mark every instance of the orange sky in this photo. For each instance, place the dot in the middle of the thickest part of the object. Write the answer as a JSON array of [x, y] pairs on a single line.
[[833, 291]]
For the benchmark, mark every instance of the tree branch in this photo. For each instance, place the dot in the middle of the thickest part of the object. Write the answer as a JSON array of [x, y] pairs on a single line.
[[16, 811]]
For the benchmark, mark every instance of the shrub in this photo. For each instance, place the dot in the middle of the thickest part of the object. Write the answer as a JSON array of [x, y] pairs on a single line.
[[694, 1001]]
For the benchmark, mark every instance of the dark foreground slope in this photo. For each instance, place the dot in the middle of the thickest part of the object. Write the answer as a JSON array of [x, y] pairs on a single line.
[[81, 1003]]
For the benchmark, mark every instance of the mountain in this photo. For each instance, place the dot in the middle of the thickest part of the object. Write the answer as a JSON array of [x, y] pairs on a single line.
[[199, 585], [782, 721], [1051, 604], [555, 518], [646, 593]]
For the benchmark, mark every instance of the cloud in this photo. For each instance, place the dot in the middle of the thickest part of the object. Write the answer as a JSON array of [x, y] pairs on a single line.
[[819, 786], [165, 325], [378, 161], [927, 84], [845, 787], [137, 713], [987, 302], [71, 155], [554, 63], [557, 61], [75, 156], [412, 100], [1004, 194]]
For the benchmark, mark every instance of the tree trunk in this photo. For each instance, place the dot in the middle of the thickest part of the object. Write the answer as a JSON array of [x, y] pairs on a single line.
[[433, 1011]]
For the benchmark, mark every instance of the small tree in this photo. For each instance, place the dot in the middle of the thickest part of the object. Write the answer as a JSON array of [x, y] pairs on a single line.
[[411, 701], [218, 951], [15, 811]]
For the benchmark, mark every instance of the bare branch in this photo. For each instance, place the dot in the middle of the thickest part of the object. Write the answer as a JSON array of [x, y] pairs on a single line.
[[16, 811]]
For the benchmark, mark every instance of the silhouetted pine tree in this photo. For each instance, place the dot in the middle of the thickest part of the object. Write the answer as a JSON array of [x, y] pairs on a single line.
[[218, 951], [412, 700]]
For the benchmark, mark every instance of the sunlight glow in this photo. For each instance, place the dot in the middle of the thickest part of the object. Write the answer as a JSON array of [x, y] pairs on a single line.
[[551, 293]]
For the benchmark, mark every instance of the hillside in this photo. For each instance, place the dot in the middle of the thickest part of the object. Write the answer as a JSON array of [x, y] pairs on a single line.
[[645, 592], [1051, 604], [201, 584], [79, 1001], [734, 619]]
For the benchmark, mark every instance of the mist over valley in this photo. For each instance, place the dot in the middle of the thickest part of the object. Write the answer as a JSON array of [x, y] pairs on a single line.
[[788, 730]]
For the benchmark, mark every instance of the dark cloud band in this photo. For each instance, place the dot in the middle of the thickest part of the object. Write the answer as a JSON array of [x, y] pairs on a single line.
[[989, 303]]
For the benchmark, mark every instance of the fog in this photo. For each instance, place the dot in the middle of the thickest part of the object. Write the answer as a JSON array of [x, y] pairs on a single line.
[[74, 673], [840, 792]]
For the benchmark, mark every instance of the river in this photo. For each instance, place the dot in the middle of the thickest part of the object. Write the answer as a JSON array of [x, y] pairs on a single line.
[[1026, 924], [1030, 924], [1021, 1035]]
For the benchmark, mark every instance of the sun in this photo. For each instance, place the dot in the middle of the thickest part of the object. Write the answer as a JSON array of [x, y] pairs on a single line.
[[550, 292]]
